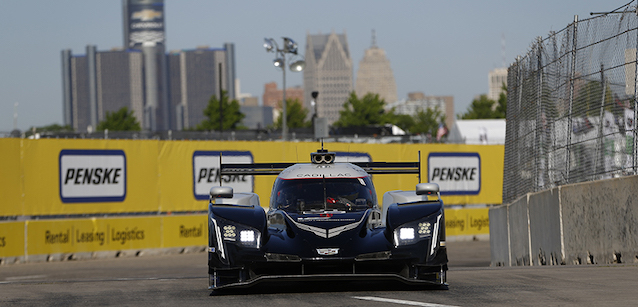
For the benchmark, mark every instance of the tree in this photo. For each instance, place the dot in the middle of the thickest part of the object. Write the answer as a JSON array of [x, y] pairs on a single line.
[[295, 115], [363, 112], [49, 128], [501, 108], [232, 115], [404, 121], [485, 108], [428, 121], [121, 120]]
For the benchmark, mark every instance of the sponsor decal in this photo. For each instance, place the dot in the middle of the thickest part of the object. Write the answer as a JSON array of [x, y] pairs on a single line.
[[92, 176], [467, 221], [191, 232], [206, 173], [67, 236], [455, 173]]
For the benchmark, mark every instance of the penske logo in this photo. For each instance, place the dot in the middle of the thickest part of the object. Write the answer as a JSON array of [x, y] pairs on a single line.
[[455, 173], [146, 15], [206, 172], [92, 176]]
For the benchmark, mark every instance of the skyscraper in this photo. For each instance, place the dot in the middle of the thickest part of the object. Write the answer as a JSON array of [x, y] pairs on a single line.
[[137, 76], [375, 74], [194, 79], [496, 78], [328, 71], [101, 82], [144, 30]]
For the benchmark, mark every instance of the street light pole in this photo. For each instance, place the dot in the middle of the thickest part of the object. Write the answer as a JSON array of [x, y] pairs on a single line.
[[284, 129], [290, 47]]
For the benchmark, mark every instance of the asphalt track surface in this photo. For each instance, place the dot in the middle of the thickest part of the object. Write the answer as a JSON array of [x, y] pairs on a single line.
[[172, 280]]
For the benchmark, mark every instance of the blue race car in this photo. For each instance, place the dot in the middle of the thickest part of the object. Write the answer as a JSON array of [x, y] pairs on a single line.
[[324, 223]]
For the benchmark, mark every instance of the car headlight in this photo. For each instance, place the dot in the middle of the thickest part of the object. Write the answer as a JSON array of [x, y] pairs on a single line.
[[243, 235], [413, 232]]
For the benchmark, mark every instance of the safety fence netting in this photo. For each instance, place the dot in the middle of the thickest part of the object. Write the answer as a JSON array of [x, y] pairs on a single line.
[[571, 105]]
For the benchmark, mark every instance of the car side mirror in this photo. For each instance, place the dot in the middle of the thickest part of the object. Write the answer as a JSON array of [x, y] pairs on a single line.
[[427, 188], [221, 192]]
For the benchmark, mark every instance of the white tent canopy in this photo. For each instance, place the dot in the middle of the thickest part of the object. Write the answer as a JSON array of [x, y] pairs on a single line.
[[478, 131]]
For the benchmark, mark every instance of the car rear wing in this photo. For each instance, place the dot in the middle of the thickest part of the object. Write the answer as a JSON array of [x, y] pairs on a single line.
[[276, 168]]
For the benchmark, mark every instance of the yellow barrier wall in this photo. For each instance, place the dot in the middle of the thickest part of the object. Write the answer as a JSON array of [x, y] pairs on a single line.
[[42, 180], [112, 234], [11, 193], [11, 239], [160, 176], [184, 230], [467, 221], [95, 234]]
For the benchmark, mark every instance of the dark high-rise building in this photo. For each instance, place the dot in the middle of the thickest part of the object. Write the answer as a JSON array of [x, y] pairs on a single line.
[[144, 30], [195, 78], [138, 76], [101, 82]]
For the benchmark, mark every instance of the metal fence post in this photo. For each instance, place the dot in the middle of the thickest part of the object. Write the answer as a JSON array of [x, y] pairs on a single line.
[[571, 99], [538, 131], [635, 140], [600, 165]]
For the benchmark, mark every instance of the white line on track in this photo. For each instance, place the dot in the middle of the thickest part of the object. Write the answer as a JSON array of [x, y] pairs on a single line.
[[403, 302], [26, 277]]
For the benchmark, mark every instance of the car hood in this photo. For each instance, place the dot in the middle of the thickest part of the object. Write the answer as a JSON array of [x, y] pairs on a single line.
[[327, 224]]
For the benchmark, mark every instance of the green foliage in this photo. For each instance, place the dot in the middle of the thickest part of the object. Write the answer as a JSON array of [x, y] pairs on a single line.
[[295, 115], [363, 112], [121, 120], [485, 108], [232, 115], [403, 121], [49, 128], [501, 108], [427, 122]]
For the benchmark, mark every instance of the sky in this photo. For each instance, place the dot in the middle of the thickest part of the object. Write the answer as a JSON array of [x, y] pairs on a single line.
[[441, 48]]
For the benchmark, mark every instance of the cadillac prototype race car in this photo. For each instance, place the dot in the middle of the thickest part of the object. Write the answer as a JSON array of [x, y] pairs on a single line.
[[324, 223]]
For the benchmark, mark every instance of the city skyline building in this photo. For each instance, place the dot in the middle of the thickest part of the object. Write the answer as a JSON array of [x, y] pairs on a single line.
[[194, 78], [496, 78], [418, 101], [375, 74], [328, 71], [144, 29], [142, 69], [100, 82], [273, 96]]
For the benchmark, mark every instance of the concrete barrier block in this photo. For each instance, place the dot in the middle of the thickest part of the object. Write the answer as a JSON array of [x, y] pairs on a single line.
[[600, 221], [499, 236], [545, 229], [519, 232]]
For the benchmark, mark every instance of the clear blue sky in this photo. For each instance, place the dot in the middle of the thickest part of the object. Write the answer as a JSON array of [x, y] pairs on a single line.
[[435, 47]]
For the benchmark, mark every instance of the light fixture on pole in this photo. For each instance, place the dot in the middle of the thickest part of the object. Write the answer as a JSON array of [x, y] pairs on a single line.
[[289, 47]]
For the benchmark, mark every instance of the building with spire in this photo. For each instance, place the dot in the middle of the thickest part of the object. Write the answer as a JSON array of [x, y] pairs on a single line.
[[329, 72], [375, 74]]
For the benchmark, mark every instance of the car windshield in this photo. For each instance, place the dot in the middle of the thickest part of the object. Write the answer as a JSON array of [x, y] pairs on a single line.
[[315, 195]]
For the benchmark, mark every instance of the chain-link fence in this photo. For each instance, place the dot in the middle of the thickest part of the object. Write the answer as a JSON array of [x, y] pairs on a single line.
[[571, 106]]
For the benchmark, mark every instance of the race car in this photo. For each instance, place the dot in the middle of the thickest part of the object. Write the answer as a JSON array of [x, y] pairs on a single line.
[[324, 222]]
